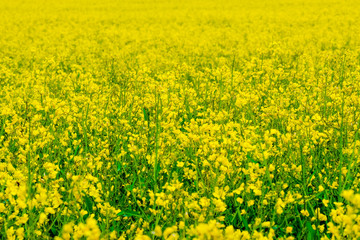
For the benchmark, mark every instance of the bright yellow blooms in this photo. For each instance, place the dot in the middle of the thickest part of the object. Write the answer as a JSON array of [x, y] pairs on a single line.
[[179, 119]]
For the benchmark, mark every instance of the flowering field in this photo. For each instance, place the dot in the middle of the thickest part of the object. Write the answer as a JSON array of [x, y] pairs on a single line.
[[191, 119]]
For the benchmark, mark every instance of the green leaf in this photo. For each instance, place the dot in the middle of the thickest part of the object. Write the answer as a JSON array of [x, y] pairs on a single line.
[[129, 213], [311, 233], [89, 204], [146, 114], [118, 166]]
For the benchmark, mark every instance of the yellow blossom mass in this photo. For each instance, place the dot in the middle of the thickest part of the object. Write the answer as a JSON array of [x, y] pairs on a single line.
[[185, 119]]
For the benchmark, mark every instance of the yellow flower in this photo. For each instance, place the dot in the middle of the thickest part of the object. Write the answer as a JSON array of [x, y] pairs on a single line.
[[68, 228], [10, 232], [83, 212], [181, 225], [239, 200], [2, 207], [113, 235], [325, 202], [168, 231], [23, 219], [20, 233], [49, 210], [142, 237], [266, 224], [157, 232], [305, 213]]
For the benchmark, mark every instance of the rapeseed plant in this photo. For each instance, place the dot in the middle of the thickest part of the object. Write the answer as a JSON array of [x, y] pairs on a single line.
[[179, 120]]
